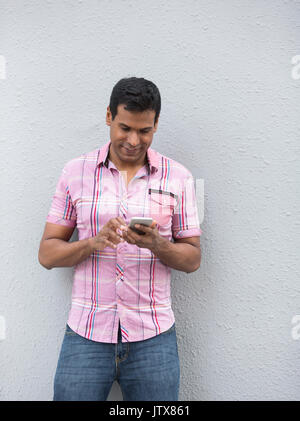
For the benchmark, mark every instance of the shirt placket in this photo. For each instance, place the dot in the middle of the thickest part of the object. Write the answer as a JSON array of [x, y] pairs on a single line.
[[122, 247], [120, 253]]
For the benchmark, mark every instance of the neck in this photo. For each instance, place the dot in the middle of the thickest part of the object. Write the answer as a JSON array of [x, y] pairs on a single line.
[[126, 166]]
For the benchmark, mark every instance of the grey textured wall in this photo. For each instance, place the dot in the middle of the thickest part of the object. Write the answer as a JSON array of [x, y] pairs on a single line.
[[230, 113]]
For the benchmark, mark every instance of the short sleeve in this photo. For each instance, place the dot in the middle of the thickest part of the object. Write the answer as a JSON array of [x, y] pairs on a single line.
[[185, 220], [62, 210]]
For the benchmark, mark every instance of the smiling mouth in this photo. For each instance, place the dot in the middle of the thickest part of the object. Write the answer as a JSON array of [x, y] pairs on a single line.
[[131, 151]]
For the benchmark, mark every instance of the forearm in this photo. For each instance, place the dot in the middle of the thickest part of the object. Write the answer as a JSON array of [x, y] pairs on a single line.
[[180, 256], [59, 253]]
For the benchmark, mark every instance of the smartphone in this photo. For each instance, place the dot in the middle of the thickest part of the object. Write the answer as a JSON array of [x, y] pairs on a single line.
[[140, 220]]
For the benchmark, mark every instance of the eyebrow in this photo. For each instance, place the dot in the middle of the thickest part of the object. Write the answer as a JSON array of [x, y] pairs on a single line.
[[144, 128]]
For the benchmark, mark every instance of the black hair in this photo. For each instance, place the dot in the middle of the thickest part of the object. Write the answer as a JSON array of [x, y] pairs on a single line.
[[137, 94]]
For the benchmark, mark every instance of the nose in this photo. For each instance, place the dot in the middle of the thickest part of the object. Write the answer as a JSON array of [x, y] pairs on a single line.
[[133, 140]]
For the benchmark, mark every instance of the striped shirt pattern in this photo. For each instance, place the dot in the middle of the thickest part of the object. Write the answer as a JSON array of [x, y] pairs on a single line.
[[128, 284]]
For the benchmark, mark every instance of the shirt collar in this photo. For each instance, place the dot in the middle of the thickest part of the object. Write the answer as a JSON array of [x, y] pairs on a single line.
[[152, 157]]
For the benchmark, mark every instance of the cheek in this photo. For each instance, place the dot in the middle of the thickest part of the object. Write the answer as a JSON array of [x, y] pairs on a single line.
[[118, 135]]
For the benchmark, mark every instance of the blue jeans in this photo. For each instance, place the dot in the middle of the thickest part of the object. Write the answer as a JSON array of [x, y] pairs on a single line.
[[146, 370]]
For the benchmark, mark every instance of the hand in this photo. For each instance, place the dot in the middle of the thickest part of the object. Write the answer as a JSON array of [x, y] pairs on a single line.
[[108, 235], [148, 240]]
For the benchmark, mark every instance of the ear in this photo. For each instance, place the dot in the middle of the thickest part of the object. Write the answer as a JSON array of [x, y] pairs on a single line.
[[108, 117], [155, 125]]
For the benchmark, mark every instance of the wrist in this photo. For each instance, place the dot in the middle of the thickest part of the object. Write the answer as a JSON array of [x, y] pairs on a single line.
[[91, 243], [158, 244], [96, 243]]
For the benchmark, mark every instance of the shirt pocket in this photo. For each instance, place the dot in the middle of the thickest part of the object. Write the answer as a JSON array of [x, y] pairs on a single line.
[[161, 205]]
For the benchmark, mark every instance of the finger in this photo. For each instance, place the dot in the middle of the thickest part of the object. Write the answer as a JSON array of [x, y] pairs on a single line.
[[143, 228], [109, 244], [135, 235], [114, 237], [119, 232], [129, 234], [116, 223], [125, 236], [117, 226], [123, 228], [130, 238], [121, 222]]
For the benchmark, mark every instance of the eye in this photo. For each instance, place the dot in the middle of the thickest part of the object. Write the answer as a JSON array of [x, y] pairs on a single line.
[[125, 129]]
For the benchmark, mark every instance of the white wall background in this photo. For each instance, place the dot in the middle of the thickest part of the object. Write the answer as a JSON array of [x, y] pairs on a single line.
[[230, 113]]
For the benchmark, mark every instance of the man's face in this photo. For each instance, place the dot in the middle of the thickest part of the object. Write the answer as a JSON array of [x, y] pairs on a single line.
[[131, 134]]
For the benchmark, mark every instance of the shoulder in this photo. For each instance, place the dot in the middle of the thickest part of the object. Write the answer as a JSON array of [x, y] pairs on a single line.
[[74, 165], [175, 168]]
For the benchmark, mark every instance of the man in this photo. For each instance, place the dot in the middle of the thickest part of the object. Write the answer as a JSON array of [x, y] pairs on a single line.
[[121, 325]]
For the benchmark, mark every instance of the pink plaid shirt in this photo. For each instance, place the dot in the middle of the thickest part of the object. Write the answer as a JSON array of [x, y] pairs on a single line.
[[127, 284]]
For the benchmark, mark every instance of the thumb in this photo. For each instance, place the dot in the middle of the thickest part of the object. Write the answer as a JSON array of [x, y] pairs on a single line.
[[154, 224]]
